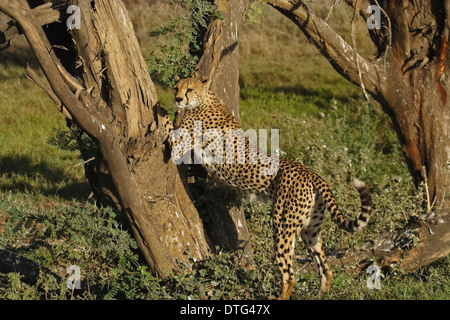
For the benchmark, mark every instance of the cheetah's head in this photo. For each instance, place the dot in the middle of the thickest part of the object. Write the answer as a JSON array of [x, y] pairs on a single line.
[[189, 93]]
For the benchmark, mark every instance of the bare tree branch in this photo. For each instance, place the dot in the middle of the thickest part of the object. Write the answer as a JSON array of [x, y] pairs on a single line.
[[21, 12], [380, 37], [330, 44], [354, 21], [29, 72], [45, 14], [361, 6]]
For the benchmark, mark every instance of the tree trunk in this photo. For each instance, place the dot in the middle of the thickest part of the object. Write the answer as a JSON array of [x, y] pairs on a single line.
[[102, 82], [225, 225], [220, 60], [413, 91]]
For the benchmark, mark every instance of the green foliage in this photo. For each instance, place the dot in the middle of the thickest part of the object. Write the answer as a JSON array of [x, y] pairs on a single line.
[[94, 240], [73, 139], [254, 11], [184, 45], [86, 236], [222, 277]]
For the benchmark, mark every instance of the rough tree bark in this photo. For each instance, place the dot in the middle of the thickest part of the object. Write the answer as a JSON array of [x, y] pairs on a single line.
[[220, 60], [409, 78], [101, 82], [219, 64]]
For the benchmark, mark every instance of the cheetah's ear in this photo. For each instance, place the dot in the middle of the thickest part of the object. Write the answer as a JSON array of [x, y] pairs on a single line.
[[176, 78], [207, 83]]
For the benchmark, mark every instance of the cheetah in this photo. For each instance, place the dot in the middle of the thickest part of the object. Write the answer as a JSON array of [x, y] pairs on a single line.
[[299, 196]]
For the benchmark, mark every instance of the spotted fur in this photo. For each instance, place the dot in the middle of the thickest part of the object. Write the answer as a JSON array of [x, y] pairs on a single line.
[[299, 195]]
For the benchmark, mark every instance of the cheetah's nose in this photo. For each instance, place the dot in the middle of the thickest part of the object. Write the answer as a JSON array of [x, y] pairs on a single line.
[[178, 99]]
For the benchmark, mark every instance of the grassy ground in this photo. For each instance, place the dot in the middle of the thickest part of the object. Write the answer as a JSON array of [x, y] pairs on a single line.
[[29, 164], [45, 213]]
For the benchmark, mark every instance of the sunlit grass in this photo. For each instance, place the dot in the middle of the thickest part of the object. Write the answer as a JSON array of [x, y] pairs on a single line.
[[28, 164]]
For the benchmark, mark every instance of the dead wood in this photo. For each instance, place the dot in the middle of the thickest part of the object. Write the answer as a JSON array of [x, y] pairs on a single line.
[[417, 244]]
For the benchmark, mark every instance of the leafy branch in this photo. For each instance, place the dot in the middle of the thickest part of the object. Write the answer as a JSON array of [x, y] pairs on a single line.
[[181, 51], [74, 139]]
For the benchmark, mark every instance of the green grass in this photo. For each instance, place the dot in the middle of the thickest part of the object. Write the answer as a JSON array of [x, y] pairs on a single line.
[[95, 240], [45, 213], [28, 164]]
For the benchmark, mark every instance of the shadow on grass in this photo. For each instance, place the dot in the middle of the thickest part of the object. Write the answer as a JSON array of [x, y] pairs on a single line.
[[19, 173], [321, 97], [326, 94]]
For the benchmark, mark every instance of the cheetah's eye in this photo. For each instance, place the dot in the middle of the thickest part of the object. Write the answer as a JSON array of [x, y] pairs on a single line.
[[190, 90]]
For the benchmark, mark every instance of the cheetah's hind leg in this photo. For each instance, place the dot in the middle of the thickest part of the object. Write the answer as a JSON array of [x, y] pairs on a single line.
[[284, 238], [310, 235], [284, 260]]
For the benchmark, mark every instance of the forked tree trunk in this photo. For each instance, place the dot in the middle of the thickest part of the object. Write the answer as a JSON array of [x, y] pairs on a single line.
[[219, 64], [413, 91], [220, 60], [103, 85]]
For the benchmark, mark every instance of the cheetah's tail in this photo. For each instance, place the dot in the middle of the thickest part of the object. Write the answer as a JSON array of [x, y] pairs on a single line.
[[366, 208]]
